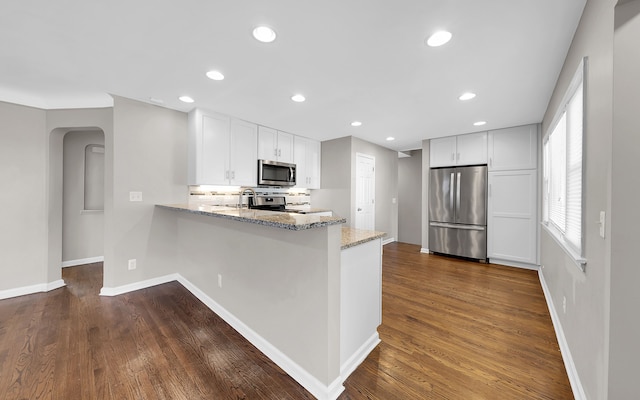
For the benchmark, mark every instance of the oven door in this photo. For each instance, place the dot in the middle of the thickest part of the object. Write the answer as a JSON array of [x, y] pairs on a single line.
[[274, 173]]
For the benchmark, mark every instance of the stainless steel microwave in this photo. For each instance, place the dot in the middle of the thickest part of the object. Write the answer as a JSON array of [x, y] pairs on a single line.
[[275, 173]]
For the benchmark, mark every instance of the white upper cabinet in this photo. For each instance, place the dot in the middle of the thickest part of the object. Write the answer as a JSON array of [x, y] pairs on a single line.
[[222, 150], [307, 159], [513, 148], [442, 152], [470, 149], [208, 148], [275, 145], [243, 157]]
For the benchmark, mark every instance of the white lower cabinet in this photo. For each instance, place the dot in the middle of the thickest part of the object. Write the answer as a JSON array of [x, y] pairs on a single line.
[[512, 218], [360, 303]]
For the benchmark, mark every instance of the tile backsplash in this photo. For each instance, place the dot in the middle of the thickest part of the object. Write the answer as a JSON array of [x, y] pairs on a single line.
[[228, 195]]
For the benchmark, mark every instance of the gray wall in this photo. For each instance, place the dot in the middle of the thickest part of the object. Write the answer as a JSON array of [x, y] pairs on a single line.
[[338, 191], [410, 198], [624, 351], [335, 194], [149, 155], [145, 150], [82, 231], [386, 185], [23, 207], [585, 323]]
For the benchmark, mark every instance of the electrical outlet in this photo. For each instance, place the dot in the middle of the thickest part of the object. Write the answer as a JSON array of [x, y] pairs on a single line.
[[132, 264], [602, 223], [564, 304], [135, 196], [220, 280]]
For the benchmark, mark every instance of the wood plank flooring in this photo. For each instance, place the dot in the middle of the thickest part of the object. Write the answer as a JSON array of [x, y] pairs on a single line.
[[451, 330]]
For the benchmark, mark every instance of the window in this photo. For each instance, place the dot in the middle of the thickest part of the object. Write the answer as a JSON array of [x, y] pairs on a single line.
[[562, 171]]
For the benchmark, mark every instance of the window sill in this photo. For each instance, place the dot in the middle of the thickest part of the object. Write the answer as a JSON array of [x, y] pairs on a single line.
[[580, 261]]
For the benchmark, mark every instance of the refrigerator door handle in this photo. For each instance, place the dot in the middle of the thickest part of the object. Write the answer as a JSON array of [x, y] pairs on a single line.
[[458, 226], [451, 191], [458, 190]]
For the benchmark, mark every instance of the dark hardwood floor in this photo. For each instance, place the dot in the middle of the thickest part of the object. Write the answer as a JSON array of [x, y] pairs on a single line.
[[451, 330]]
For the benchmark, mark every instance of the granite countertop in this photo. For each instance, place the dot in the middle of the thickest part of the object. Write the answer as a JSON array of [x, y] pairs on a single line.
[[308, 210], [353, 237], [284, 220]]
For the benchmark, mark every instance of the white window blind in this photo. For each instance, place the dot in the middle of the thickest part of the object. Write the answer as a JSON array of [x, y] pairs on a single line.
[[562, 170], [573, 230]]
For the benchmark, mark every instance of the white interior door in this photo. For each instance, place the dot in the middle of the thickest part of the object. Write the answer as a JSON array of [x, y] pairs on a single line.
[[365, 192]]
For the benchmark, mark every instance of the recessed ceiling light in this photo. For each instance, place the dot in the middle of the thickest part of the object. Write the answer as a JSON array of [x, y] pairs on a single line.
[[467, 96], [479, 123], [439, 38], [298, 98], [215, 75], [356, 123], [264, 34], [186, 99], [390, 138]]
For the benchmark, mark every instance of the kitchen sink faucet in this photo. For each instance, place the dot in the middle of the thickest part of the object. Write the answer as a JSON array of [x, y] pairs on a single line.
[[242, 190]]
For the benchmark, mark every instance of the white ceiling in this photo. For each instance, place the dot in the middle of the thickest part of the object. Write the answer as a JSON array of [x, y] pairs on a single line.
[[353, 60]]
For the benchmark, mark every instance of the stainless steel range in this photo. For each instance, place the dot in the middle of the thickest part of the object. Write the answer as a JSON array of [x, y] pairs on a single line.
[[270, 203]]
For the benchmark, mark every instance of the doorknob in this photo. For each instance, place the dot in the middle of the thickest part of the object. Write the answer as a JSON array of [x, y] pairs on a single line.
[[359, 209]]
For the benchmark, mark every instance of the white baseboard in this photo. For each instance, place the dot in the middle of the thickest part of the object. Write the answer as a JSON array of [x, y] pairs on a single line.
[[423, 250], [82, 261], [115, 291], [299, 374], [388, 240], [359, 356], [516, 264], [25, 290], [569, 365]]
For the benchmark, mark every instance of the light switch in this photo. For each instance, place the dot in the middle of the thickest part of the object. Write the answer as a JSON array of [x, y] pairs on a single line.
[[135, 196], [602, 223]]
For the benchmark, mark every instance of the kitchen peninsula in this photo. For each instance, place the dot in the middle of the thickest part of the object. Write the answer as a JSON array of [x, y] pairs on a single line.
[[300, 287]]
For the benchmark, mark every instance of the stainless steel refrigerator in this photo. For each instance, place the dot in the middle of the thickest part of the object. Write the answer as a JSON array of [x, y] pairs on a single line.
[[458, 211]]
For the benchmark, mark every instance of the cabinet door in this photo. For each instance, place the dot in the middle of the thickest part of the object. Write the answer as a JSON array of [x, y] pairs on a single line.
[[209, 150], [314, 163], [513, 148], [267, 143], [442, 152], [307, 160], [471, 149], [300, 159], [512, 219], [243, 160], [285, 147]]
